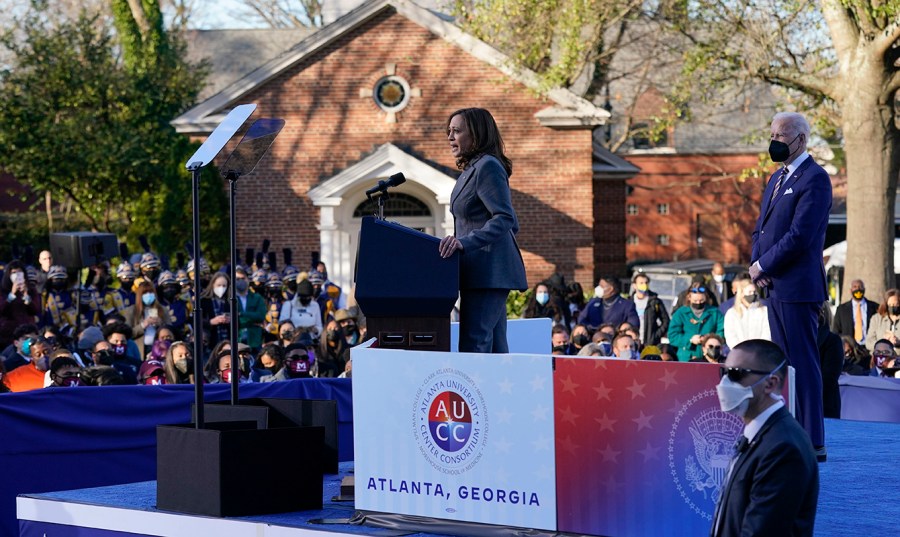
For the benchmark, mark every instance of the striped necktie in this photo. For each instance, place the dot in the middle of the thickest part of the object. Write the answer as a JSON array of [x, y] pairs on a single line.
[[781, 177]]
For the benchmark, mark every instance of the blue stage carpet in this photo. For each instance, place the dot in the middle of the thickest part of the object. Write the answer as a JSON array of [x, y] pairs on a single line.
[[858, 488]]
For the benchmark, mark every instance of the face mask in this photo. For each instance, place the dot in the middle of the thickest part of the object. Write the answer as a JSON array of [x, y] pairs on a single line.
[[605, 348], [719, 278], [241, 286], [542, 298], [559, 349], [859, 294], [880, 360], [43, 363], [118, 350], [598, 291], [734, 398], [58, 285], [169, 294], [305, 300], [624, 354], [272, 368], [317, 290], [698, 307], [182, 365], [151, 274], [219, 290], [69, 382], [26, 348], [297, 365], [780, 151], [148, 298], [353, 337], [714, 353], [581, 340], [894, 310], [642, 287], [225, 375], [751, 298], [287, 334], [332, 335], [126, 284]]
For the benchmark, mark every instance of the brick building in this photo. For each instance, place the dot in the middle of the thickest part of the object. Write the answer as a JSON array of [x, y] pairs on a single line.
[[369, 96]]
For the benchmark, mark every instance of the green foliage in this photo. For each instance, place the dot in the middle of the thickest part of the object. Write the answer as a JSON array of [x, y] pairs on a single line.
[[86, 117], [515, 303]]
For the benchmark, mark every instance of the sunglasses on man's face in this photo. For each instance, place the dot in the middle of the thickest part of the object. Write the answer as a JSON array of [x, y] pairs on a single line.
[[736, 374]]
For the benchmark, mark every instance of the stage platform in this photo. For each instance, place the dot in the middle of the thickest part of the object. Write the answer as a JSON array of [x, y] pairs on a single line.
[[854, 481]]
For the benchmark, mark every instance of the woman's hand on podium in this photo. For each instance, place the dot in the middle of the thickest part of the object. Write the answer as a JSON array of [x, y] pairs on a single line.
[[449, 244]]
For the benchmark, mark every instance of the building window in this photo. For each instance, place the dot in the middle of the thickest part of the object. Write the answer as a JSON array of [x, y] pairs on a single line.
[[632, 240], [391, 93], [631, 209], [397, 205], [662, 208], [662, 240], [642, 138]]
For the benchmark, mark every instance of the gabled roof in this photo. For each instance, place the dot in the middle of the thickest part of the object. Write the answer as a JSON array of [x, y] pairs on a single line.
[[569, 111]]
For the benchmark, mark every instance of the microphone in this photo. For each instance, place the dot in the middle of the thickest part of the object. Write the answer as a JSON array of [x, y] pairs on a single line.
[[382, 186]]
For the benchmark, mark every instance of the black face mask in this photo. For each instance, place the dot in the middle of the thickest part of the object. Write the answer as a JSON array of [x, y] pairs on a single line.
[[559, 349], [780, 151], [151, 274], [58, 285], [126, 284], [894, 310], [169, 293], [305, 300], [580, 340]]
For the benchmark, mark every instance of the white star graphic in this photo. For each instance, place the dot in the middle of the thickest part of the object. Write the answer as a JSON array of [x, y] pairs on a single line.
[[606, 423], [540, 413], [506, 386], [649, 452], [541, 443], [642, 421], [504, 415], [668, 377], [503, 446], [603, 392], [609, 454], [636, 389], [537, 383]]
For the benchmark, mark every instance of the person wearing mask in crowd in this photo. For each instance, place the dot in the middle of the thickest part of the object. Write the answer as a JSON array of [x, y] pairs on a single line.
[[117, 335], [152, 370], [856, 357], [149, 317], [885, 324], [65, 372], [274, 301], [559, 341], [608, 306], [286, 331], [340, 336], [45, 260], [179, 365], [485, 228], [205, 274], [737, 284], [604, 342], [303, 312], [221, 370], [712, 346], [772, 487], [60, 308], [251, 311], [258, 279], [592, 350], [20, 302], [316, 279], [18, 353], [575, 299], [101, 375], [652, 313], [883, 357], [125, 301], [579, 338], [216, 309], [169, 299], [289, 277], [271, 365], [31, 376], [300, 359], [150, 267], [556, 285], [186, 286], [689, 323], [624, 347], [853, 316], [667, 352], [541, 305], [719, 287], [748, 319], [102, 296], [684, 297]]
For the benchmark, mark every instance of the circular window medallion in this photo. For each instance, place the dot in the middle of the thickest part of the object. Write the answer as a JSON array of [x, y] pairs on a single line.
[[391, 93]]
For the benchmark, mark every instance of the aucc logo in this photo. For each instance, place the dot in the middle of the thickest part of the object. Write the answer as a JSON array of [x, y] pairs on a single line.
[[450, 421]]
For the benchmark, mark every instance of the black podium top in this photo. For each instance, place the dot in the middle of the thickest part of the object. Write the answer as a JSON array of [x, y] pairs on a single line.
[[399, 272]]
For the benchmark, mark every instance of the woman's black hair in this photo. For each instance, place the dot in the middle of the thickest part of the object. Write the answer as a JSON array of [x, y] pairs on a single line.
[[486, 139]]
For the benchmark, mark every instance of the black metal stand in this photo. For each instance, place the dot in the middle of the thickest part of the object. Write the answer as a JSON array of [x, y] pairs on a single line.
[[233, 177], [195, 168]]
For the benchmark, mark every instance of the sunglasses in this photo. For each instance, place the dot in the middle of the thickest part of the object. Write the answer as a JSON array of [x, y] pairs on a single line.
[[736, 374], [698, 289]]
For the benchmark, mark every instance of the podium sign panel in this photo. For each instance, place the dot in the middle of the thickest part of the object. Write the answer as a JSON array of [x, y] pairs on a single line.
[[465, 437]]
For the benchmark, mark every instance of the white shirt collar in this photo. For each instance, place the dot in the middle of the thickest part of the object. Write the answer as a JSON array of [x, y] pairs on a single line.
[[753, 428], [792, 167]]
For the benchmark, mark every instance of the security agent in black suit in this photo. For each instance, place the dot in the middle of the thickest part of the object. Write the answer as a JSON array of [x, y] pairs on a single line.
[[844, 323], [772, 487]]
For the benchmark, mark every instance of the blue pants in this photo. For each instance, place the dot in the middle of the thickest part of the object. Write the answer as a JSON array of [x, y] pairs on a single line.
[[482, 320], [794, 326]]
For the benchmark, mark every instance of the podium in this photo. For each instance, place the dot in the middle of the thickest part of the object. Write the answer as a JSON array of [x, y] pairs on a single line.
[[404, 287]]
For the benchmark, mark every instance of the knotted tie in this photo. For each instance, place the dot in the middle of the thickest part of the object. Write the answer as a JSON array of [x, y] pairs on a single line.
[[781, 177], [858, 323]]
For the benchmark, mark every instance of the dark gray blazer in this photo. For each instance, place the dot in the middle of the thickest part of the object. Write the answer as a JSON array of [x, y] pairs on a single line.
[[486, 225], [774, 486]]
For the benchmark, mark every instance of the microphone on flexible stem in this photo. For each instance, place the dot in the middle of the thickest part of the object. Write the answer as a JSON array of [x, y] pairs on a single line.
[[382, 186]]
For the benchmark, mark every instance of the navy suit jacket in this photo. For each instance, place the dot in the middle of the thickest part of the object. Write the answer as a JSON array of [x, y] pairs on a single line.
[[774, 485], [486, 225], [622, 310], [790, 234]]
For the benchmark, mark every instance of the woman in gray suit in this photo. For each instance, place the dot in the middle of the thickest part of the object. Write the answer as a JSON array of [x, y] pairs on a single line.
[[485, 227]]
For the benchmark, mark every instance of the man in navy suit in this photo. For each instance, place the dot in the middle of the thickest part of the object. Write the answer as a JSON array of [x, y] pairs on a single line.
[[772, 486], [787, 260], [608, 306]]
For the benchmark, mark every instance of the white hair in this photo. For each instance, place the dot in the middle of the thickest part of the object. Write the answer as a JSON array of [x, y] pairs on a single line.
[[793, 123]]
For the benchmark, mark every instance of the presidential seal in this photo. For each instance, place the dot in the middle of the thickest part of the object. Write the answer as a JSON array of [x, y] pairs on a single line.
[[450, 421], [700, 450]]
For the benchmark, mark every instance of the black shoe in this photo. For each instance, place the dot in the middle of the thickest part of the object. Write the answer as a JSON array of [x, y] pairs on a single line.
[[821, 454]]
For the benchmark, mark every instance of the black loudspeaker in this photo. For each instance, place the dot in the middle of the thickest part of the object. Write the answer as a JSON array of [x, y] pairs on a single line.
[[212, 471], [82, 248]]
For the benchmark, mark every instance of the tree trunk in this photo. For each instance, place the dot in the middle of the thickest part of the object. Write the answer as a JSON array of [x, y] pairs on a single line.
[[873, 162]]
